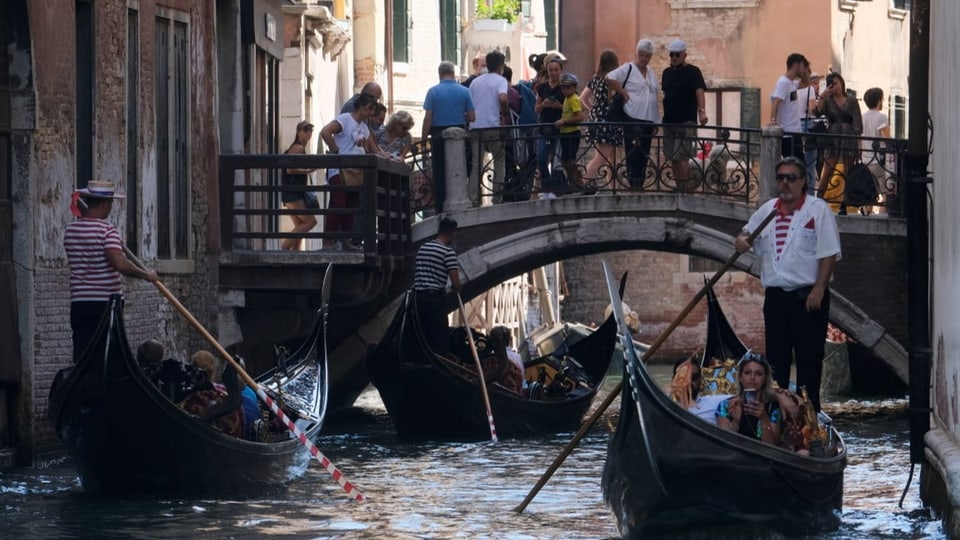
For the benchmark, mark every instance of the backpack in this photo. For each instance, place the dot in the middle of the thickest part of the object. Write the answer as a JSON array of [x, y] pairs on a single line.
[[528, 103]]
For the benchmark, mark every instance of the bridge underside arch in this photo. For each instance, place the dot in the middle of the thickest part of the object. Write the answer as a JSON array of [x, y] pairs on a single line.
[[487, 264]]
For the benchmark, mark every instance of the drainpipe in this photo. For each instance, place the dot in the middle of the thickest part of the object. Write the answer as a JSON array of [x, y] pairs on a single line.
[[388, 52], [915, 207]]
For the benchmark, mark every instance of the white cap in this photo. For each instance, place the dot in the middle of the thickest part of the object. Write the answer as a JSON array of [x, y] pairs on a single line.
[[677, 45]]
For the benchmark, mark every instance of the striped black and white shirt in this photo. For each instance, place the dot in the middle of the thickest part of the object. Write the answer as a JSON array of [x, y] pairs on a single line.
[[434, 262]]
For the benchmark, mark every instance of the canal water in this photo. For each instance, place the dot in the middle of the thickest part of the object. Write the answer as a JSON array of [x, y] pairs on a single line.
[[449, 490]]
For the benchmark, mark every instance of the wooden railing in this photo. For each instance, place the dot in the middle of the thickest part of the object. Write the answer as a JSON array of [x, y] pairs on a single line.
[[252, 217]]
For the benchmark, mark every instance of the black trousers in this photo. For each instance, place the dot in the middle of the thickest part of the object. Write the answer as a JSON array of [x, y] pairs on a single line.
[[84, 319], [432, 312], [793, 332], [637, 139]]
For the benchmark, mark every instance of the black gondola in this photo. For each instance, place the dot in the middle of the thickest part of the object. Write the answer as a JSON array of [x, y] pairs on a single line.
[[429, 396], [668, 471], [124, 435]]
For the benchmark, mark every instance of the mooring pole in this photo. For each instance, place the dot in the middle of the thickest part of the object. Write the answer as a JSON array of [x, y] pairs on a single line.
[[915, 206]]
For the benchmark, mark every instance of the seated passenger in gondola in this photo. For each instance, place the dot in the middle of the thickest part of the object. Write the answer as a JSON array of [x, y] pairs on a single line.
[[685, 389], [251, 407], [755, 410], [214, 402], [501, 341], [174, 379]]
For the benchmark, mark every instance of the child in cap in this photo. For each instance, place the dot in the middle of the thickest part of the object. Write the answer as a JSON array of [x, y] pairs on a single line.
[[570, 119]]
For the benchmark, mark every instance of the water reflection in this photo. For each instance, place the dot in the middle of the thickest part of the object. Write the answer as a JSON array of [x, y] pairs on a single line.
[[449, 490]]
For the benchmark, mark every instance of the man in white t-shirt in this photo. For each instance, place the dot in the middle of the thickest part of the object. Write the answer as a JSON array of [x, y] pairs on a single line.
[[489, 94], [786, 107], [704, 406]]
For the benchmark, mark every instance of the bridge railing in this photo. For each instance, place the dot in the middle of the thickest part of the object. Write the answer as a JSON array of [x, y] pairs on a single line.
[[253, 218], [726, 164]]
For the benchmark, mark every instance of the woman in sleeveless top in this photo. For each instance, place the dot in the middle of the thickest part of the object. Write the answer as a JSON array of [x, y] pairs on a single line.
[[604, 137], [294, 200]]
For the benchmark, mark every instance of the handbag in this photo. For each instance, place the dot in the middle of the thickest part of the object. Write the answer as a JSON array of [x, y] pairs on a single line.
[[615, 111], [352, 177]]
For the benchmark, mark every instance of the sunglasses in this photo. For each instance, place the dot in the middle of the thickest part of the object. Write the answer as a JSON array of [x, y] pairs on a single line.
[[789, 177], [675, 54]]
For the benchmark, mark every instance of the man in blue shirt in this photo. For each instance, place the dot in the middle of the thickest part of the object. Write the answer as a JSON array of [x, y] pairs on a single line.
[[448, 104]]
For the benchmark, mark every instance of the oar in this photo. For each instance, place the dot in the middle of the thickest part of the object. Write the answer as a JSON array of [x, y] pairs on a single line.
[[476, 359], [653, 348], [352, 490]]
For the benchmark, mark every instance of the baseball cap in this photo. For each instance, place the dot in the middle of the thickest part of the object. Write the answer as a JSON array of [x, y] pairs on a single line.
[[677, 45], [569, 79]]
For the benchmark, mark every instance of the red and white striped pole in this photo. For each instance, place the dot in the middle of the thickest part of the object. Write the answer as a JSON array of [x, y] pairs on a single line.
[[476, 359], [352, 490]]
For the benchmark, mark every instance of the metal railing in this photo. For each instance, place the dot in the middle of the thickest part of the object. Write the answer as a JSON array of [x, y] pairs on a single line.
[[725, 163], [252, 216]]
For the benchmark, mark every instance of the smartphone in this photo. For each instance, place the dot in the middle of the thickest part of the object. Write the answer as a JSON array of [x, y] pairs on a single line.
[[750, 395]]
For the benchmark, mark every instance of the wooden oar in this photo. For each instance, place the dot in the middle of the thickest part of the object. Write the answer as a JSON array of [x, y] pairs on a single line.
[[617, 389], [352, 490], [476, 359]]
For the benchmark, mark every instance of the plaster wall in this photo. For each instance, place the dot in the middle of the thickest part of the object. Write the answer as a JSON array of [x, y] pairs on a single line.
[[945, 235]]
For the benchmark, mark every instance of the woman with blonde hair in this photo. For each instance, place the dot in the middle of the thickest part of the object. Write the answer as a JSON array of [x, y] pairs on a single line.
[[755, 410], [394, 137]]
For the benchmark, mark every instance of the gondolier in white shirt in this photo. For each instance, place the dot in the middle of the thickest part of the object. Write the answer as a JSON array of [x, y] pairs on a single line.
[[797, 257], [95, 255], [436, 263]]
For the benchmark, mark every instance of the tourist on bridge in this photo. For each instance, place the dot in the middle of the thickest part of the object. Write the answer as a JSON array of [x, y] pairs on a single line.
[[436, 263], [637, 84], [299, 200], [797, 254], [787, 107], [489, 94], [448, 104], [96, 259], [683, 108]]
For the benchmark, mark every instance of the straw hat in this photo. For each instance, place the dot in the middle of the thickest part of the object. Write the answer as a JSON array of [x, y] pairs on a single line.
[[97, 189]]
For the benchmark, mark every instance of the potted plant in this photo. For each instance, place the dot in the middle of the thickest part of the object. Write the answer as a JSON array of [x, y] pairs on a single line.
[[500, 14]]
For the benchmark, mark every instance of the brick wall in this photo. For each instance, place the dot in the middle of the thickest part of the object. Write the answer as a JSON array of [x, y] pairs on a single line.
[[659, 285]]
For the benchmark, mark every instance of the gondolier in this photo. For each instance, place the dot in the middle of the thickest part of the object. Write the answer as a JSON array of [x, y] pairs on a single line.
[[797, 258], [436, 262], [96, 259]]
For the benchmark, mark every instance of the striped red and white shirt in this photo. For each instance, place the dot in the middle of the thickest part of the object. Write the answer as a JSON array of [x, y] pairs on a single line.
[[92, 277]]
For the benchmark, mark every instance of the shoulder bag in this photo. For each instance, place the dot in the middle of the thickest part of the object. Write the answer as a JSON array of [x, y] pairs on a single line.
[[615, 112]]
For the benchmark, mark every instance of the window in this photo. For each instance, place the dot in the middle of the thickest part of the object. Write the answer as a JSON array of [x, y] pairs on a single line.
[[550, 20], [898, 111], [84, 92], [133, 129], [173, 163], [401, 30], [450, 48], [901, 4]]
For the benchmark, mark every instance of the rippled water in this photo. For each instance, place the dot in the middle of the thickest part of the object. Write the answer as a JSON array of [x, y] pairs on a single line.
[[448, 490]]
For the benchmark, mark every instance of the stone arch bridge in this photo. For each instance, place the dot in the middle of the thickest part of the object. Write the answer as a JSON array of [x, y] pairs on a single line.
[[497, 242]]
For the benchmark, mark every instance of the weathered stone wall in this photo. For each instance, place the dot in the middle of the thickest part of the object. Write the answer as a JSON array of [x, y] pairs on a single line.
[[45, 336]]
